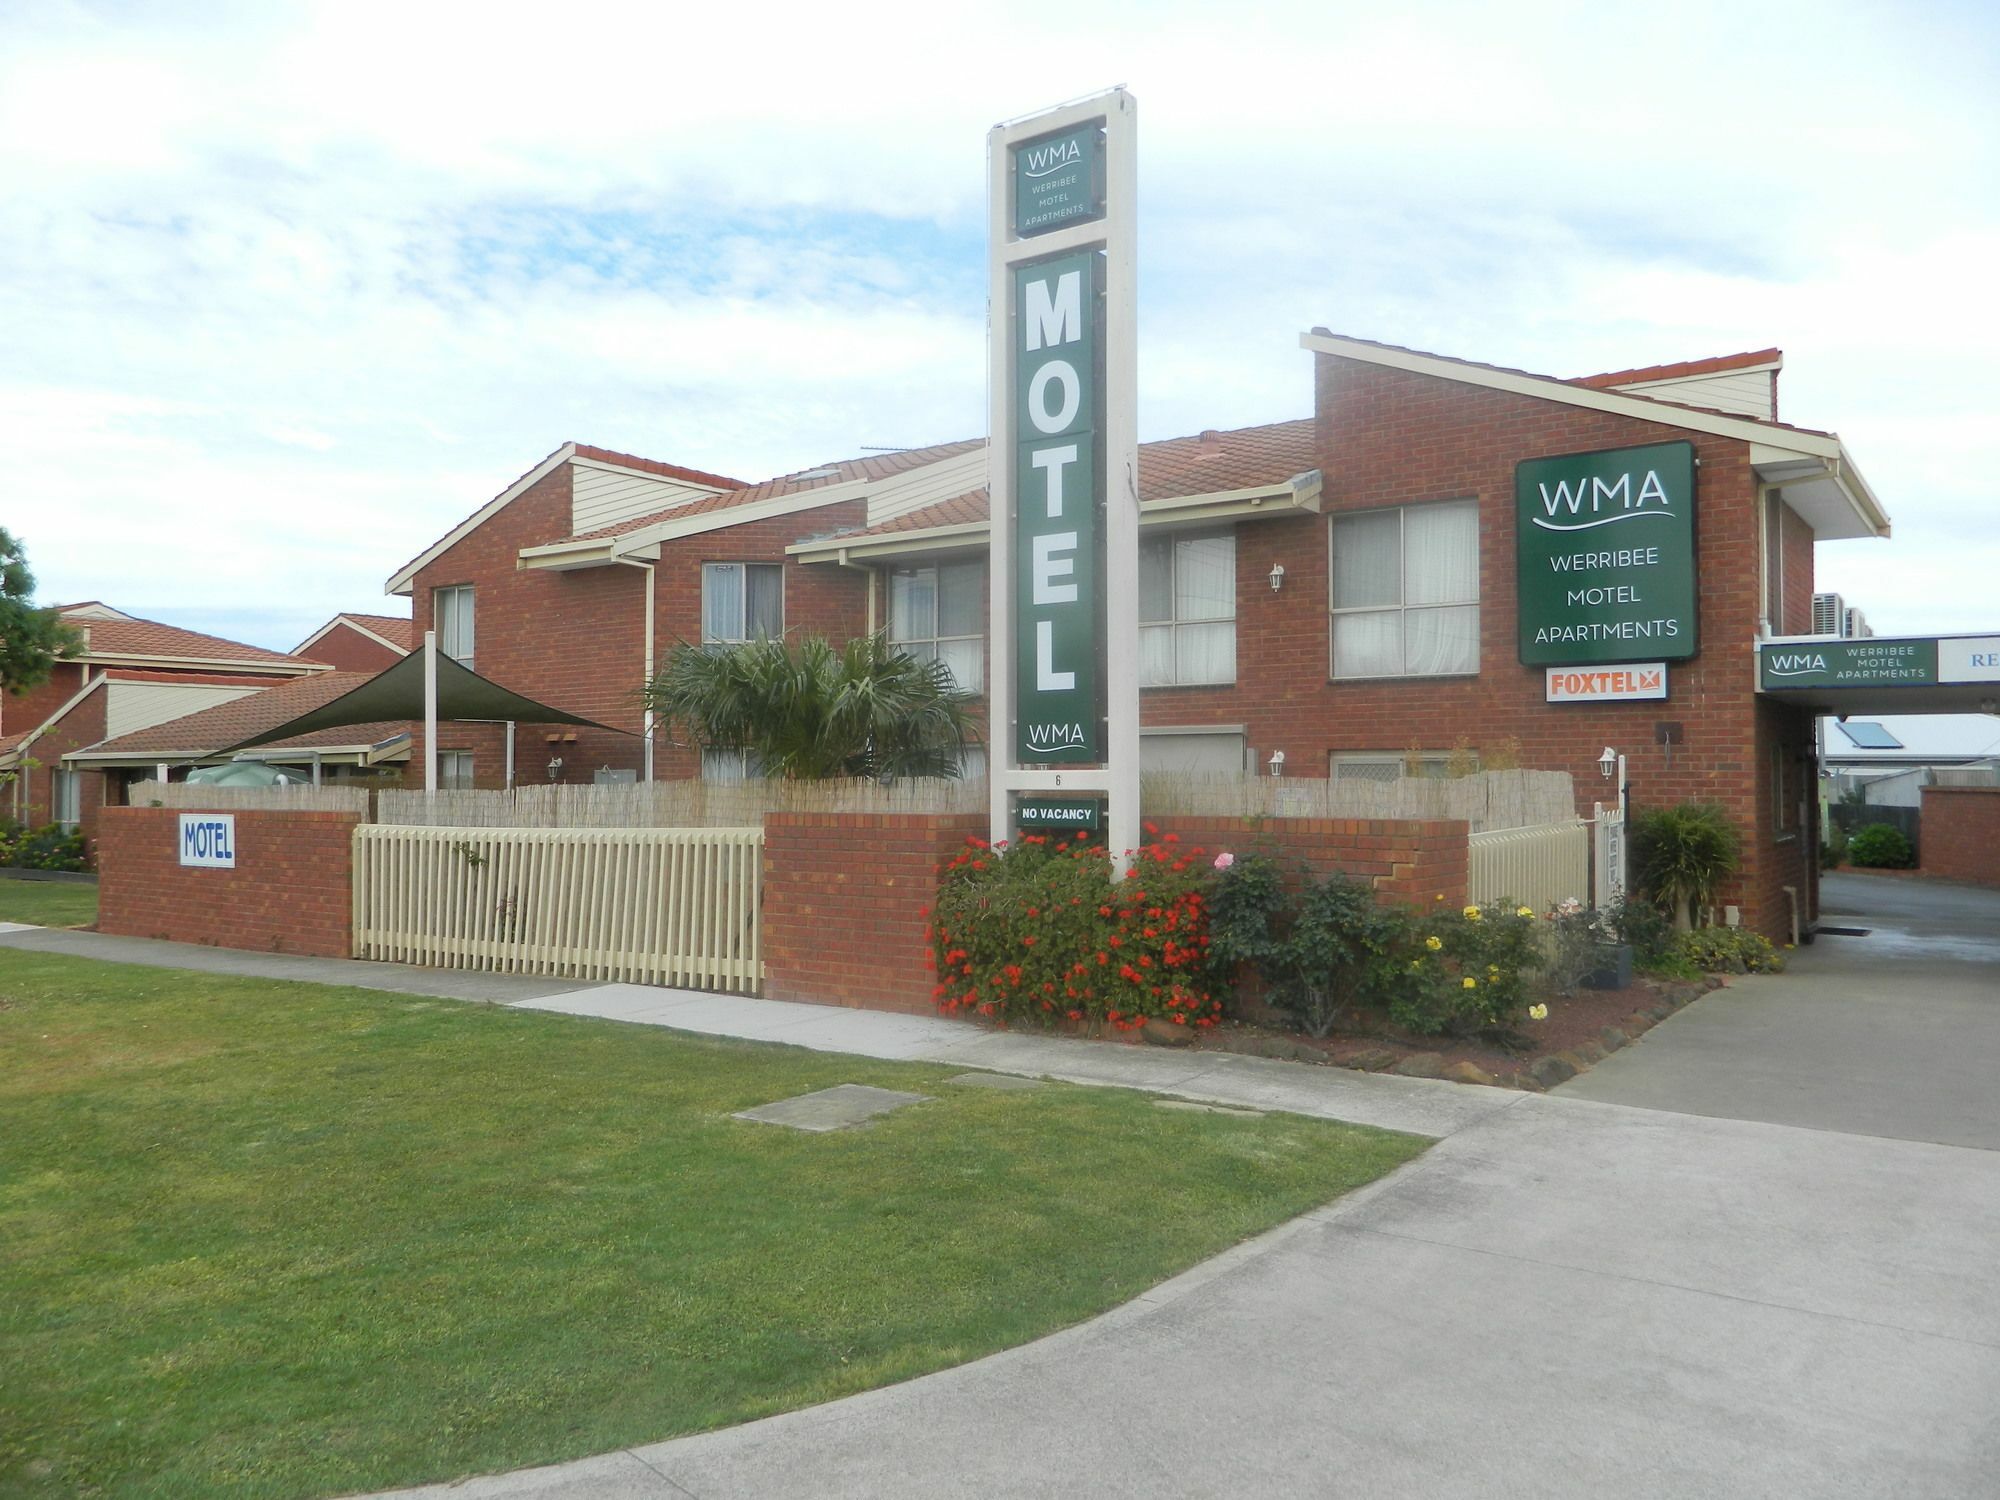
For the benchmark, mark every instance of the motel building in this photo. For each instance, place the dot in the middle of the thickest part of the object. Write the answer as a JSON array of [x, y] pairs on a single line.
[[1444, 557]]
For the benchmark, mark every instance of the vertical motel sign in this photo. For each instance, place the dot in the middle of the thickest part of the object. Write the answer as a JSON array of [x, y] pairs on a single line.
[[1063, 463]]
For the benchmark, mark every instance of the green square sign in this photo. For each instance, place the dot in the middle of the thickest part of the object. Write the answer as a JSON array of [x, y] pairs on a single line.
[[1059, 180], [1605, 556]]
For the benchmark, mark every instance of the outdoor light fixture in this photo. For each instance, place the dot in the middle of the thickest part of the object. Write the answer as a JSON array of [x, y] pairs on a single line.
[[1607, 763], [1277, 577], [555, 767], [1277, 762]]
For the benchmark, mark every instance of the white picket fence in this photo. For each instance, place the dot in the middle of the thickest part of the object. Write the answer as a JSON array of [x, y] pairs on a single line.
[[671, 906], [1535, 866]]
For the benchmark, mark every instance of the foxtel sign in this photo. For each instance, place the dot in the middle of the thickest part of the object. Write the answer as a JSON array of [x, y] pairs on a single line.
[[1607, 684], [1605, 548], [1058, 506]]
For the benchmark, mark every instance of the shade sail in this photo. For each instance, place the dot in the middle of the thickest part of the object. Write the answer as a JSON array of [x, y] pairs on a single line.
[[398, 693]]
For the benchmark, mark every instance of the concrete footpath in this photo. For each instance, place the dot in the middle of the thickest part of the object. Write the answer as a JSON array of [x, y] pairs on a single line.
[[1562, 1298]]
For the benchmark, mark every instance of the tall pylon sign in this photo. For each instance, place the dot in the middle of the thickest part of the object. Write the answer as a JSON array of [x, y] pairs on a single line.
[[1063, 469]]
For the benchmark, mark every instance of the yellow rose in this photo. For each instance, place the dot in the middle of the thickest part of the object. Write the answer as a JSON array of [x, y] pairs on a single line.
[[1433, 943], [1538, 1013], [1524, 911], [1473, 914], [1471, 983]]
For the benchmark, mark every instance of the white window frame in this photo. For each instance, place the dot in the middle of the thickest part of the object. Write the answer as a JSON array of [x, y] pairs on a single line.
[[448, 631], [66, 798], [1175, 625], [905, 641], [729, 767], [1403, 610], [455, 771], [743, 637], [1436, 763]]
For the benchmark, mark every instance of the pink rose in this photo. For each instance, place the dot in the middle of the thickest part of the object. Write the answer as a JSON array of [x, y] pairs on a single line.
[[1224, 860]]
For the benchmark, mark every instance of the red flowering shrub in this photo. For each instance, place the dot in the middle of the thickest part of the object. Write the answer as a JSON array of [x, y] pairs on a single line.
[[1039, 931]]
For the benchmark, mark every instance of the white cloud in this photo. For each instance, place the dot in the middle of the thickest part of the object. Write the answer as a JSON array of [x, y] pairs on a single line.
[[290, 290]]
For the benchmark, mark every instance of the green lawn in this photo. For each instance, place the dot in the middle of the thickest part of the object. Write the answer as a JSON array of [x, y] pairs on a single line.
[[48, 903], [293, 1240]]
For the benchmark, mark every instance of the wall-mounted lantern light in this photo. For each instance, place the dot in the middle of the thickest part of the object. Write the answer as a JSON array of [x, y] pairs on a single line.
[[1277, 577]]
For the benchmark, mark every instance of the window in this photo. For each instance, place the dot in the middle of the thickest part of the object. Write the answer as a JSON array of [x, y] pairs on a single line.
[[729, 765], [1187, 609], [453, 607], [1406, 591], [1194, 751], [455, 768], [938, 613], [742, 601], [1390, 765], [1774, 564], [66, 791]]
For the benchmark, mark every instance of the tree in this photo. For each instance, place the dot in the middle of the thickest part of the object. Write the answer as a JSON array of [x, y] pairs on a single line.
[[32, 640], [867, 709]]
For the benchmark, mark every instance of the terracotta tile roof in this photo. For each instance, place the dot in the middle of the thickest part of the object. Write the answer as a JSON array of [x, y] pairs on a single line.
[[12, 742], [871, 466], [1712, 366], [231, 723], [1239, 459], [654, 466], [345, 734], [1587, 381], [151, 638], [398, 628]]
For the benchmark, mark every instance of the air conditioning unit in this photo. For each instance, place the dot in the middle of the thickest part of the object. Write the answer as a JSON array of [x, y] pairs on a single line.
[[1857, 625], [1829, 615]]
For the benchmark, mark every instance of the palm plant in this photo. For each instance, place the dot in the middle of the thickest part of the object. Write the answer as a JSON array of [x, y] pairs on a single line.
[[1684, 854], [813, 712]]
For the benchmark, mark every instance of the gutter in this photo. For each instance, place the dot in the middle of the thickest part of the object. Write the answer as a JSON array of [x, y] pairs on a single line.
[[652, 572]]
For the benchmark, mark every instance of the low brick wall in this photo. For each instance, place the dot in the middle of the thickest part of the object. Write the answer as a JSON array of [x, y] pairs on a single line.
[[1962, 833], [290, 892], [845, 894]]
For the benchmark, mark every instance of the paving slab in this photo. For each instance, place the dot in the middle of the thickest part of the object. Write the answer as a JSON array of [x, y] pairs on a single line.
[[6, 927], [837, 1108], [1005, 1083]]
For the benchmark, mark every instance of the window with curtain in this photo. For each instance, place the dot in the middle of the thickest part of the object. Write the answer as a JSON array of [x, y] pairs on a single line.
[[455, 770], [453, 609], [67, 787], [730, 765], [742, 601], [1405, 591], [1187, 609], [937, 612]]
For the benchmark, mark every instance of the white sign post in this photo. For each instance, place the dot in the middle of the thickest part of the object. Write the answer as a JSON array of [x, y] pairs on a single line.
[[1063, 462]]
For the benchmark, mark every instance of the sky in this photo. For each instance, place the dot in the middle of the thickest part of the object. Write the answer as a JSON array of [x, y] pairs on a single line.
[[291, 289]]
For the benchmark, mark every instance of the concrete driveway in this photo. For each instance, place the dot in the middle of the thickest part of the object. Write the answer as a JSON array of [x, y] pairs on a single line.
[[1893, 1034], [1772, 1280]]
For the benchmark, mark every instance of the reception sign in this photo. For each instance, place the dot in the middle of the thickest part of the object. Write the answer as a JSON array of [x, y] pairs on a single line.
[[1605, 549], [1867, 662]]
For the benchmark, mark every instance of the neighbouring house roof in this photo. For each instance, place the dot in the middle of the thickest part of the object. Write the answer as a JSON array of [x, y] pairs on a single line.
[[1714, 365], [399, 581], [1820, 480], [127, 640], [1211, 463], [1919, 739], [397, 632], [206, 733]]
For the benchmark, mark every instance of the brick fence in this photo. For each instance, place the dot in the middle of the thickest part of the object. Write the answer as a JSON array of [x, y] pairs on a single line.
[[1962, 833], [845, 894], [291, 890]]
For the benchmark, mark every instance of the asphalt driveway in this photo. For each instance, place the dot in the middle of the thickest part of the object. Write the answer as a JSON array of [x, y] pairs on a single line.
[[1896, 1033]]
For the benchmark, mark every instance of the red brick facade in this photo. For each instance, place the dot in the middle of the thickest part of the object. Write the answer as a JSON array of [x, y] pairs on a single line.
[[845, 894], [291, 890], [348, 650], [1961, 827]]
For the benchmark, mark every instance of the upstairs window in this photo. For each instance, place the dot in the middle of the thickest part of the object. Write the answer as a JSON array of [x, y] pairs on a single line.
[[453, 608], [938, 613], [742, 602], [1187, 609], [1405, 591], [454, 770]]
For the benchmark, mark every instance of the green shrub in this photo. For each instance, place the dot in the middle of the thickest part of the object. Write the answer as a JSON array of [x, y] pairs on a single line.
[[1461, 971], [1880, 846], [1730, 950], [51, 847], [1682, 856], [1643, 927], [1331, 947], [1833, 849], [1038, 931]]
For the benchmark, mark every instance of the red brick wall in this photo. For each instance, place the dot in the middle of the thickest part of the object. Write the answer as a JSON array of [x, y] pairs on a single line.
[[291, 890], [1961, 828], [349, 650], [844, 894]]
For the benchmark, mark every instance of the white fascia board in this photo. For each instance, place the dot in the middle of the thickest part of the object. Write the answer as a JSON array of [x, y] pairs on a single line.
[[211, 664], [354, 625], [723, 517], [1302, 492], [404, 581], [90, 685], [1787, 442], [563, 556]]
